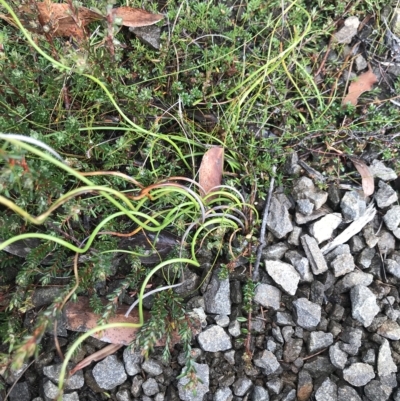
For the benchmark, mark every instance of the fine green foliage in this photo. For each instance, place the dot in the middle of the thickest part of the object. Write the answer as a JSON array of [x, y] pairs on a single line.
[[251, 77]]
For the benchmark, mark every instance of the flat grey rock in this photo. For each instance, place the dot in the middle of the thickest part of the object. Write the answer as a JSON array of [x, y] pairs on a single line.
[[314, 255], [386, 243], [214, 339], [109, 373], [150, 387], [20, 392], [358, 374], [73, 383], [322, 230], [348, 31], [223, 394], [275, 252], [278, 221], [307, 314], [132, 361], [392, 267], [389, 330], [267, 361], [319, 340], [234, 328], [392, 217], [376, 391], [347, 393], [337, 356], [379, 170], [242, 386], [385, 196], [284, 274], [352, 279], [259, 394], [343, 264], [353, 205], [222, 320], [386, 365], [327, 391], [365, 257], [188, 393], [217, 296], [268, 296], [152, 367], [363, 305]]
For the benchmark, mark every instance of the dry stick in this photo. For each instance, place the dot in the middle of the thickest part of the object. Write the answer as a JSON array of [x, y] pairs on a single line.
[[256, 273]]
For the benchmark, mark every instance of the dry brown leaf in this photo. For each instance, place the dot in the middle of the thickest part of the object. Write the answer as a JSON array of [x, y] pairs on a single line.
[[362, 84], [136, 17], [59, 19], [368, 184], [211, 167], [81, 318]]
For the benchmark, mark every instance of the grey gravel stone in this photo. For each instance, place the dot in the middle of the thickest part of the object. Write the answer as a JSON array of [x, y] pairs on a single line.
[[268, 296], [50, 390], [284, 275], [132, 361], [314, 255], [222, 320], [278, 221], [319, 340], [217, 296], [242, 386], [337, 356], [150, 387], [267, 361], [234, 328], [376, 391], [20, 392], [346, 33], [187, 393], [307, 314], [358, 374], [136, 388], [352, 279], [259, 394], [229, 356], [389, 330], [323, 229], [292, 349], [353, 205], [152, 367], [393, 267], [275, 385], [109, 373], [294, 237], [319, 367], [289, 395], [301, 264], [304, 386], [223, 394], [357, 244], [343, 264], [379, 170], [385, 195], [386, 366], [365, 257], [363, 305], [214, 339], [305, 206], [347, 393], [74, 382], [369, 357], [392, 218], [369, 235], [123, 395], [71, 397], [386, 242], [316, 214], [327, 391], [275, 252]]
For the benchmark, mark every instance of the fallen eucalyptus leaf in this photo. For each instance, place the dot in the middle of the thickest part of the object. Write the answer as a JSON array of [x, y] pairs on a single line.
[[362, 84], [367, 178], [210, 172]]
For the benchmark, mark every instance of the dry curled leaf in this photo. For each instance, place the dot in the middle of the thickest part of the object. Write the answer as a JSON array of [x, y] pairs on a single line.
[[80, 317], [368, 184], [210, 172], [136, 17], [59, 18], [362, 84]]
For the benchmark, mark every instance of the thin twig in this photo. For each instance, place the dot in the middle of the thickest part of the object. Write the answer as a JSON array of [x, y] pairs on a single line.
[[256, 273]]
